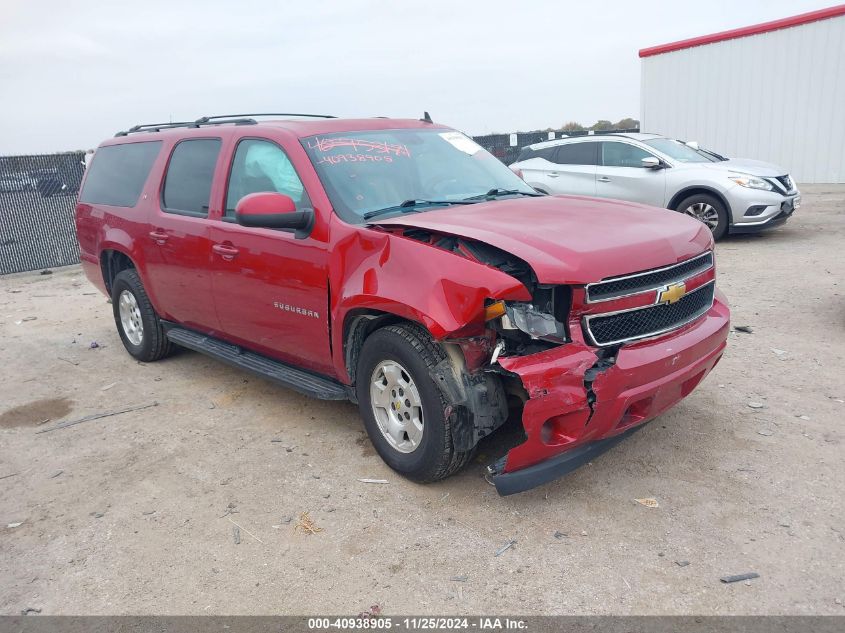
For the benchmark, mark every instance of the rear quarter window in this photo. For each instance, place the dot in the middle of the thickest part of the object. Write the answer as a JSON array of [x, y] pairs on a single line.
[[543, 152], [583, 153], [117, 173]]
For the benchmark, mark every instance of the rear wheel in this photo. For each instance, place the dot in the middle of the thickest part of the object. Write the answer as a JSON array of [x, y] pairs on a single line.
[[402, 407], [137, 323], [708, 210]]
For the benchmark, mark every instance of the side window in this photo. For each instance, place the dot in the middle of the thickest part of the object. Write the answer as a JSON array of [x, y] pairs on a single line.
[[622, 155], [187, 184], [547, 152], [262, 166], [526, 154], [118, 173], [584, 153]]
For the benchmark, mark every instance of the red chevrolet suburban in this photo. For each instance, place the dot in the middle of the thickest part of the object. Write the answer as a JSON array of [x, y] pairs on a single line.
[[397, 264]]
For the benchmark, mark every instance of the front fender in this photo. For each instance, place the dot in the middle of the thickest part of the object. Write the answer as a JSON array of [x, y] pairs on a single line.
[[383, 272]]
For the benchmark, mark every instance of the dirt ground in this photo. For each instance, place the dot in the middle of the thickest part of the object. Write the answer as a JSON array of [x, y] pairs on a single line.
[[135, 513]]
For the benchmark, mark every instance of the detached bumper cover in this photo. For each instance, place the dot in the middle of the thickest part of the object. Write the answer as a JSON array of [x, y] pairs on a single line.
[[556, 467], [579, 405]]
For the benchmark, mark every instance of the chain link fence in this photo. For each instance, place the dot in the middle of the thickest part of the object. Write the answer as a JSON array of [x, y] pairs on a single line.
[[38, 195], [37, 200]]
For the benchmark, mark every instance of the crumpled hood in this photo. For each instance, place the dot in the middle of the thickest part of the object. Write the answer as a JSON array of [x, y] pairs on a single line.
[[747, 166], [571, 239]]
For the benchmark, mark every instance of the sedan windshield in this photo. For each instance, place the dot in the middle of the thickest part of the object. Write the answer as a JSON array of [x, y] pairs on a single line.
[[380, 173], [677, 150]]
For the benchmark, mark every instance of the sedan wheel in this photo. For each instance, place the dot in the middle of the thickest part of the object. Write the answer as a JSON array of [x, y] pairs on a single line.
[[708, 210], [704, 213]]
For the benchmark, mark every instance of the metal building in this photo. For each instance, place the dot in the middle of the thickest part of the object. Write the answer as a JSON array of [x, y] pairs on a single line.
[[772, 91]]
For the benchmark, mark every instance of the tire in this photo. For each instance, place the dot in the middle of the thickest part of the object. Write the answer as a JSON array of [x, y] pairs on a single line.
[[149, 342], [411, 348], [696, 206]]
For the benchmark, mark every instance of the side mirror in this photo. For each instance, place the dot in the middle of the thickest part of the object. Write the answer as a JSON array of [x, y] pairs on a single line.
[[692, 144], [651, 162], [271, 210]]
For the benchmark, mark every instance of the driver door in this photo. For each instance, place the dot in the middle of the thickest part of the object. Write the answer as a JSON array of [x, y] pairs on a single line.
[[270, 289]]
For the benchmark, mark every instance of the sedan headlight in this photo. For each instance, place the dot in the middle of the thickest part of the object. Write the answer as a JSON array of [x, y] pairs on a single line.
[[752, 182]]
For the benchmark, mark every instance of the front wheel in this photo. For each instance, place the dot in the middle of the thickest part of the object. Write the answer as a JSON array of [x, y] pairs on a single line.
[[402, 407], [708, 210]]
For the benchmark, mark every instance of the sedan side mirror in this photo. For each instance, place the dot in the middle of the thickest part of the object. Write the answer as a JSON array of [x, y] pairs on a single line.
[[651, 162], [271, 210], [692, 144]]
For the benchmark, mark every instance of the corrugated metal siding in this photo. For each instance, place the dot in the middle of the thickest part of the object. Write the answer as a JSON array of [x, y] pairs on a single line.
[[777, 96]]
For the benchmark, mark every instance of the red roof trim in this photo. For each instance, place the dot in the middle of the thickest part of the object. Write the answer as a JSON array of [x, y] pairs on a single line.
[[765, 27]]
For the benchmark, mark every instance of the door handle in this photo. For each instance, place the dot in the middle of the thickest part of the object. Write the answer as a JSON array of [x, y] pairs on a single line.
[[159, 237], [553, 174], [225, 251], [604, 179]]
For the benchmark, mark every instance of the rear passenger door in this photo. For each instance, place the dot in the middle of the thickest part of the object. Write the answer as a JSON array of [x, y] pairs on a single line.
[[621, 175], [179, 246], [573, 169]]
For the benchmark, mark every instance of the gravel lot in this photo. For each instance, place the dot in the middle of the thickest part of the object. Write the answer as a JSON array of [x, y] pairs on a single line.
[[135, 513]]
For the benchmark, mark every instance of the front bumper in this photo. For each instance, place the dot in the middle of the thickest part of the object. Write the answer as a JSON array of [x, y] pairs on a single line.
[[753, 210], [579, 405], [778, 219]]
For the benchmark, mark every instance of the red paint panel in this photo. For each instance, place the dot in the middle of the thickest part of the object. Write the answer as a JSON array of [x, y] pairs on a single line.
[[378, 271], [756, 29], [572, 239]]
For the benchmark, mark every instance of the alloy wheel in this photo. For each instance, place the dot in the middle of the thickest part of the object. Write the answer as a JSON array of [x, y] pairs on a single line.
[[397, 406], [705, 213], [130, 317]]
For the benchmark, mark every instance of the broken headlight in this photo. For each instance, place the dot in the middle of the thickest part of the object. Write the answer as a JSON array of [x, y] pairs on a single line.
[[527, 318], [543, 319]]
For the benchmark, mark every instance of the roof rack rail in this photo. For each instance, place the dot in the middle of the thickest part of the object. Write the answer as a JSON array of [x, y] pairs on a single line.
[[154, 127], [237, 119], [208, 119]]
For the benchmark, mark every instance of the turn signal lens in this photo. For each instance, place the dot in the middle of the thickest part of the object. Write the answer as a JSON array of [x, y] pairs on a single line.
[[494, 310]]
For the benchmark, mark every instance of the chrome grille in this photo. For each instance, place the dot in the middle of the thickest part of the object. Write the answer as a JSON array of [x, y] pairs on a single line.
[[628, 325], [648, 280]]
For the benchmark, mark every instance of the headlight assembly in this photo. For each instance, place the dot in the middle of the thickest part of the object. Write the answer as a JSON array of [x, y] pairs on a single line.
[[752, 182]]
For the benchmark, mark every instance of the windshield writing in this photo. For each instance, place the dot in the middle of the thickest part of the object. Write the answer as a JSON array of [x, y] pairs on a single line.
[[366, 172]]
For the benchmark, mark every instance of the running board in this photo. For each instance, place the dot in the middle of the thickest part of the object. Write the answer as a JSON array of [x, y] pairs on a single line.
[[291, 377]]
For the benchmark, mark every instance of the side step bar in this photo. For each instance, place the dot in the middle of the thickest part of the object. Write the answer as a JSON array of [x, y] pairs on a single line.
[[291, 377]]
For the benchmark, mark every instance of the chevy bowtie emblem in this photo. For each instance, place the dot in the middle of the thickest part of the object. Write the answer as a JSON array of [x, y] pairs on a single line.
[[672, 293]]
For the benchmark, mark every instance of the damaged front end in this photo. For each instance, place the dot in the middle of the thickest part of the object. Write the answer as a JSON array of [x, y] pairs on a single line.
[[578, 399], [559, 353], [474, 378]]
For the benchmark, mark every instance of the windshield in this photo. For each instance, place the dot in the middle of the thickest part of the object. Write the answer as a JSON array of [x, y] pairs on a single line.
[[680, 152], [397, 171]]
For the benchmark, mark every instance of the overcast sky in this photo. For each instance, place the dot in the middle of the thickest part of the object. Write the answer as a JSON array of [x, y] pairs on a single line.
[[73, 73]]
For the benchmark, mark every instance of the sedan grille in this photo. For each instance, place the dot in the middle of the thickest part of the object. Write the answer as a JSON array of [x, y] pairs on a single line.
[[786, 182], [628, 325], [649, 280]]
